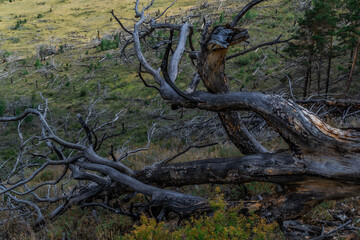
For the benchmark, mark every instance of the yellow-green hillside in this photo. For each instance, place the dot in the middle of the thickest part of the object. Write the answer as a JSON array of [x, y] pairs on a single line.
[[62, 21]]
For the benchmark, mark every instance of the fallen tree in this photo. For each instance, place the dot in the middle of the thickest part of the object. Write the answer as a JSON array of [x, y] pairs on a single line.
[[320, 157], [321, 163]]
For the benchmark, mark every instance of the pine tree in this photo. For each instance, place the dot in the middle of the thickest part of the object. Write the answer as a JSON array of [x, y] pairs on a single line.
[[315, 39], [350, 33]]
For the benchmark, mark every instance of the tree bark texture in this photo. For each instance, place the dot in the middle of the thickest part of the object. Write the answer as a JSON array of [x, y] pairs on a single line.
[[211, 68]]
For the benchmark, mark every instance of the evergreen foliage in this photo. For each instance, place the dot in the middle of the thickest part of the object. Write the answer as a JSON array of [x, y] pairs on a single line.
[[328, 29]]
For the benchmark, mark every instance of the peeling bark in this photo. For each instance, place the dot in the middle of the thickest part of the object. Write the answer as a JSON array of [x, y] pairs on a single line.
[[211, 68]]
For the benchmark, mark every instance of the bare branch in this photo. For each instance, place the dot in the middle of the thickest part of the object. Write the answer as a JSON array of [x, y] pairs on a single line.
[[332, 231], [247, 8], [276, 41], [156, 75], [117, 211], [86, 128], [145, 83], [166, 9], [149, 137], [120, 23], [20, 183], [46, 127], [343, 103], [175, 59], [168, 160], [193, 84]]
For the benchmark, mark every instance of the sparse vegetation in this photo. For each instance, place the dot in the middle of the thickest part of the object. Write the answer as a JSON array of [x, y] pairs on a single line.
[[222, 224], [38, 64], [109, 44], [19, 24], [15, 40]]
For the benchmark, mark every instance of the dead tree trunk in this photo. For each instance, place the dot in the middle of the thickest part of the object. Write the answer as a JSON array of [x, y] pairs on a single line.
[[307, 83], [356, 52], [211, 68], [327, 85]]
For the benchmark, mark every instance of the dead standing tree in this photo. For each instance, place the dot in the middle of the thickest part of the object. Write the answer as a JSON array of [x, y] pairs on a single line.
[[322, 162]]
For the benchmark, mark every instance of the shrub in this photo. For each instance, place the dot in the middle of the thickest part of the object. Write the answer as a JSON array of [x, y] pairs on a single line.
[[221, 19], [46, 176], [82, 93], [19, 24], [15, 40], [108, 44], [250, 15], [38, 64], [223, 224], [6, 54]]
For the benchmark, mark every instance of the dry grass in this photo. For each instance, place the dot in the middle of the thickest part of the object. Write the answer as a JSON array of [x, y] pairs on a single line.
[[64, 21]]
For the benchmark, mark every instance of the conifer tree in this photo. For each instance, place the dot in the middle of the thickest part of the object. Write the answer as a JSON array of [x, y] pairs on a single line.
[[350, 33], [315, 39]]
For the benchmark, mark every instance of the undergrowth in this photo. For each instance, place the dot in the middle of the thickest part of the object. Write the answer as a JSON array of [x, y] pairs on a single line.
[[222, 224]]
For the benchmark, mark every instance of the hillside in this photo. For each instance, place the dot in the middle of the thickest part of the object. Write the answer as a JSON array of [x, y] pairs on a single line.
[[72, 73], [59, 22]]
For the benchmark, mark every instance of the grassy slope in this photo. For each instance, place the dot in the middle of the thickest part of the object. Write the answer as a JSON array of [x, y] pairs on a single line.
[[61, 21]]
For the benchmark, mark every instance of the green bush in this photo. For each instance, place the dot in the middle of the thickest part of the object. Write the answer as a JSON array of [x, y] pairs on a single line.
[[6, 54], [38, 64], [223, 224], [82, 93], [108, 44], [15, 40], [221, 19], [19, 24], [46, 175], [250, 15]]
